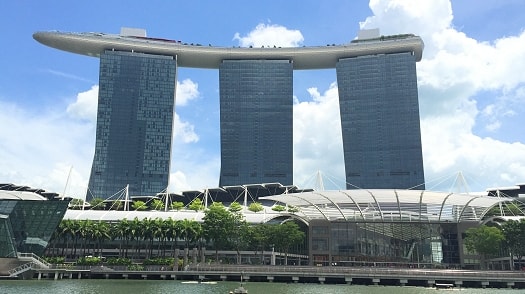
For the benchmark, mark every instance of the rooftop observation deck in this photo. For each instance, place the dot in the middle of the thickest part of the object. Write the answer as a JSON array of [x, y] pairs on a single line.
[[199, 56]]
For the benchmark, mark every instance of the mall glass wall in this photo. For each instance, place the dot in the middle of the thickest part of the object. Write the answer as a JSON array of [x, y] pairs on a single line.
[[27, 226], [394, 243]]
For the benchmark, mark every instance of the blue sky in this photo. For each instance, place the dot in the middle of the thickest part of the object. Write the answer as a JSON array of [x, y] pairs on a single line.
[[471, 86]]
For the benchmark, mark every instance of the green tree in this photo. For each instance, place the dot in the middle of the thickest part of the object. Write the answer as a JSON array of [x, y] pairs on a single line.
[[196, 205], [285, 236], [292, 209], [139, 205], [258, 238], [135, 233], [97, 204], [100, 232], [189, 231], [514, 232], [66, 232], [505, 208], [76, 204], [117, 205], [171, 232], [157, 204], [122, 232], [278, 208], [255, 207], [235, 207], [240, 233], [485, 241], [177, 205], [218, 226]]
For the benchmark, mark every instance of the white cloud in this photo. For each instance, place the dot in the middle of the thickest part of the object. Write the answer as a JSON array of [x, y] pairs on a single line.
[[269, 35], [317, 138], [193, 171], [85, 107], [186, 91], [41, 148], [183, 131]]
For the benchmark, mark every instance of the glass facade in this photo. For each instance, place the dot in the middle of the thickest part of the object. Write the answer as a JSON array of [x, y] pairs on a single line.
[[380, 122], [134, 124], [356, 243], [256, 99], [27, 226]]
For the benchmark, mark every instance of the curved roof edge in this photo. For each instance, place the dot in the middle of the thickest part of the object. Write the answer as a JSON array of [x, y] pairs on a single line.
[[117, 215], [389, 205], [318, 57]]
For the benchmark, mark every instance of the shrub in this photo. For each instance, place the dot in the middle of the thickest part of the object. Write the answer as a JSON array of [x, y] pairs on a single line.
[[135, 267], [159, 261], [89, 261], [118, 261]]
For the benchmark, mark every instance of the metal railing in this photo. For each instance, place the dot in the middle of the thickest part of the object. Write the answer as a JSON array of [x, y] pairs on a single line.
[[37, 260], [20, 269], [361, 271]]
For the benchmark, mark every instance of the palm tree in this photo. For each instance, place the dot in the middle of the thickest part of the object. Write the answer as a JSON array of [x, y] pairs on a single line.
[[170, 233], [84, 232], [135, 232], [122, 232], [157, 233], [189, 230], [100, 233], [66, 232]]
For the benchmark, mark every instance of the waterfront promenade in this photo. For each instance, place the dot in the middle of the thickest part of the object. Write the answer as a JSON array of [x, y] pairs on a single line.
[[303, 274]]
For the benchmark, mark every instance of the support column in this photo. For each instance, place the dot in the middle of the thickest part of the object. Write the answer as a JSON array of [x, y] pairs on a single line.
[[203, 255], [194, 255]]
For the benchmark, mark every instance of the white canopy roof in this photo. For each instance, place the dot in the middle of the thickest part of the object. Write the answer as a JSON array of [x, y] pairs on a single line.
[[20, 195], [389, 205]]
